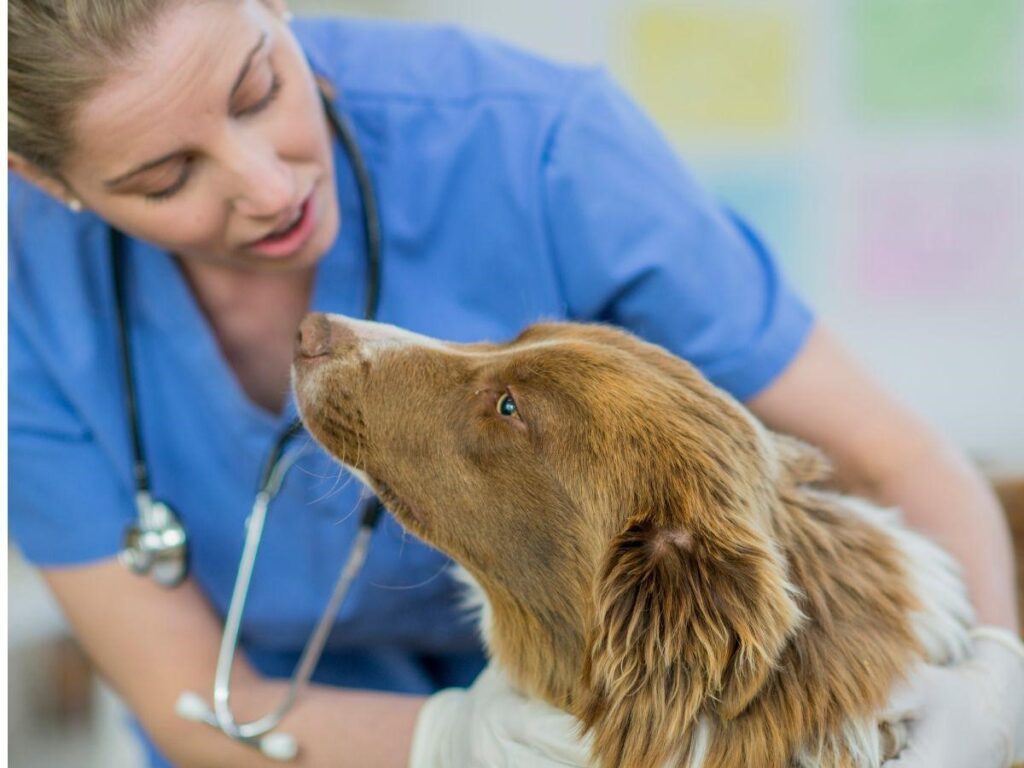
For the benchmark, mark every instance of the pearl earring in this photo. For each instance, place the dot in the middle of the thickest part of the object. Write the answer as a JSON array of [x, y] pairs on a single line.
[[75, 204]]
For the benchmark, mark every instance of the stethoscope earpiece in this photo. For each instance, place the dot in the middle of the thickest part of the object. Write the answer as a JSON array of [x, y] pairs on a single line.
[[277, 746]]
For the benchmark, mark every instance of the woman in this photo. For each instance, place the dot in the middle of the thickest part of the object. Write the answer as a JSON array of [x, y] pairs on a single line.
[[510, 189]]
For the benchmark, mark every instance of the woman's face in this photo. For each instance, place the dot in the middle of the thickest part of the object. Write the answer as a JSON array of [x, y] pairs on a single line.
[[211, 138]]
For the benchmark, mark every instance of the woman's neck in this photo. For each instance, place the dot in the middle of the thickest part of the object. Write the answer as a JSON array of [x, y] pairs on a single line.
[[254, 317], [221, 290]]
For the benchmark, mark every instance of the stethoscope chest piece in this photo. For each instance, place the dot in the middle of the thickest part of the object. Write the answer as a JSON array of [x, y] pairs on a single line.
[[156, 544]]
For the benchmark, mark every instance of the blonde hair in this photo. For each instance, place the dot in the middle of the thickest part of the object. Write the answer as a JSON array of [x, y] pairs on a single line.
[[59, 53]]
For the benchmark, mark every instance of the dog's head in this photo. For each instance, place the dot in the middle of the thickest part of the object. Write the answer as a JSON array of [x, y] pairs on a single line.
[[614, 506]]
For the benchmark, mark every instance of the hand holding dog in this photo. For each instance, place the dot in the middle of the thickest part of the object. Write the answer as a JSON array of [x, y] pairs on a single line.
[[967, 716], [492, 725]]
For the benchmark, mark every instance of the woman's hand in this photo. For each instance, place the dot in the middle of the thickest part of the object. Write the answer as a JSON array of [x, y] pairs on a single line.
[[967, 716], [490, 724]]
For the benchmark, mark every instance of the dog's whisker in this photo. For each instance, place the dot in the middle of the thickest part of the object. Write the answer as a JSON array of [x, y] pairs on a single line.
[[340, 483], [315, 475], [332, 492], [355, 508], [337, 487], [426, 581]]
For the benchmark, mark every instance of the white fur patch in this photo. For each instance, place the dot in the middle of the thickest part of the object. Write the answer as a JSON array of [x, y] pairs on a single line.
[[700, 741], [859, 742], [935, 578], [361, 476], [375, 338], [474, 600]]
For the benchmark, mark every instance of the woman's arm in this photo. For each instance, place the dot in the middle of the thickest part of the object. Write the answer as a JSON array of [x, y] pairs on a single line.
[[152, 643], [883, 451]]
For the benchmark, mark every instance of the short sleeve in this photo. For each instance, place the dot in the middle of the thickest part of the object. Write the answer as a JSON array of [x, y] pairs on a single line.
[[66, 503], [637, 243]]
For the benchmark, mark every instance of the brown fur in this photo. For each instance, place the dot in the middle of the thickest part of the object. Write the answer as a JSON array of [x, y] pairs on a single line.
[[651, 555], [1011, 495]]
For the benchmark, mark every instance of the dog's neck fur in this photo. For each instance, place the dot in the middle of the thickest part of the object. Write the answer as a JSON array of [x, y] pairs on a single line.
[[541, 645]]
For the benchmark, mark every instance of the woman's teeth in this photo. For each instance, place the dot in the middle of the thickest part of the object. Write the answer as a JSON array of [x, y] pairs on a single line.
[[288, 226]]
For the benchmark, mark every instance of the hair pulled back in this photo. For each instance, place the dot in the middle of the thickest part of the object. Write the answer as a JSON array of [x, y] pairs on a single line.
[[59, 52]]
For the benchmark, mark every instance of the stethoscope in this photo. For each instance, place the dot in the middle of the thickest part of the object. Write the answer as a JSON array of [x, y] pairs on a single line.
[[157, 545]]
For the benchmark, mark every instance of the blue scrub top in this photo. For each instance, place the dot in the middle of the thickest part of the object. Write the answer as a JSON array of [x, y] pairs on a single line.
[[511, 189]]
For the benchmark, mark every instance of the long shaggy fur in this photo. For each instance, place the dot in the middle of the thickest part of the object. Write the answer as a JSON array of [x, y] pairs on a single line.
[[652, 559]]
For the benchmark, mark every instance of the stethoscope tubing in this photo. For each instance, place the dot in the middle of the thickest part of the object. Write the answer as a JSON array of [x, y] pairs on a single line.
[[314, 646], [190, 705]]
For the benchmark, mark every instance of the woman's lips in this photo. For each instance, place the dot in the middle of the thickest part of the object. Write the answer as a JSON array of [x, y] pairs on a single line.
[[292, 239]]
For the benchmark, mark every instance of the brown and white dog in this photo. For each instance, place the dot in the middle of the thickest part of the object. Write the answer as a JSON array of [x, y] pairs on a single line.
[[653, 560]]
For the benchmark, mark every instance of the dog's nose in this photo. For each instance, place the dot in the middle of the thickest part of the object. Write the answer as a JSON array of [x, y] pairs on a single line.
[[318, 336]]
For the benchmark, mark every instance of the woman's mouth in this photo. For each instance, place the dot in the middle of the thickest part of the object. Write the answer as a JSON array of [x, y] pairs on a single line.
[[289, 238]]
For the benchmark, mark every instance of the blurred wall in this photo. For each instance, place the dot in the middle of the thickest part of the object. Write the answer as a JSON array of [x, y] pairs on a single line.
[[876, 144]]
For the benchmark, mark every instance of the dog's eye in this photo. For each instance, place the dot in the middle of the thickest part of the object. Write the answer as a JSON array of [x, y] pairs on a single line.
[[507, 406]]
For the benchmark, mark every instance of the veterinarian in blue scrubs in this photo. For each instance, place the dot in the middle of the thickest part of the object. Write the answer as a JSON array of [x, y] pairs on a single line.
[[511, 190]]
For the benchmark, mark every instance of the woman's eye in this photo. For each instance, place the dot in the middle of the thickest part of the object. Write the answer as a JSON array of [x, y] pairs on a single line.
[[167, 192], [507, 406], [265, 100]]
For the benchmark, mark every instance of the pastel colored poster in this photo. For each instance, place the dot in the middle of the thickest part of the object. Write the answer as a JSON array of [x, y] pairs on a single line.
[[937, 58], [705, 71], [926, 234]]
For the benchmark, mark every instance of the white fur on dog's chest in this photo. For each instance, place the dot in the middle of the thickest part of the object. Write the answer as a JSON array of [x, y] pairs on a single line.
[[474, 600]]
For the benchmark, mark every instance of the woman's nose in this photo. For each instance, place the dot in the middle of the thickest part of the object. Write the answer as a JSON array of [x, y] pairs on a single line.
[[265, 184]]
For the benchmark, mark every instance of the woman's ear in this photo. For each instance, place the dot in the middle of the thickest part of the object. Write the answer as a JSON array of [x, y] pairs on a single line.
[[688, 619], [50, 184]]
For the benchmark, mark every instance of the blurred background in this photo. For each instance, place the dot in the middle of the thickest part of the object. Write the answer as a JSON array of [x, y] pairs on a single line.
[[876, 144]]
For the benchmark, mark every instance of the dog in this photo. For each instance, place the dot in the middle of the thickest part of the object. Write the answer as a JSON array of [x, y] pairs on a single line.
[[653, 560]]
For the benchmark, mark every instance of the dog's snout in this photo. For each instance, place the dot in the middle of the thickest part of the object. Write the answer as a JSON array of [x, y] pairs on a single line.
[[318, 336], [314, 336], [323, 335]]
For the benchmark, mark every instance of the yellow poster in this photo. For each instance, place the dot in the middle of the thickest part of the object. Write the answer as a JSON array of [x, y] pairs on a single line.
[[705, 70]]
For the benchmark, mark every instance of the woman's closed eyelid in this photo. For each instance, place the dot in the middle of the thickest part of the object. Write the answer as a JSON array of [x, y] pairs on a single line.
[[174, 186], [257, 85], [264, 101]]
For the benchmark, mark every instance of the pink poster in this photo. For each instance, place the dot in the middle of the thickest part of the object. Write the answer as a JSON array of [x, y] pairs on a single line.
[[927, 234]]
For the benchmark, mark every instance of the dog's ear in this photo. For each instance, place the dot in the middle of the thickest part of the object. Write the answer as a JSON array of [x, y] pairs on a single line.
[[688, 619]]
